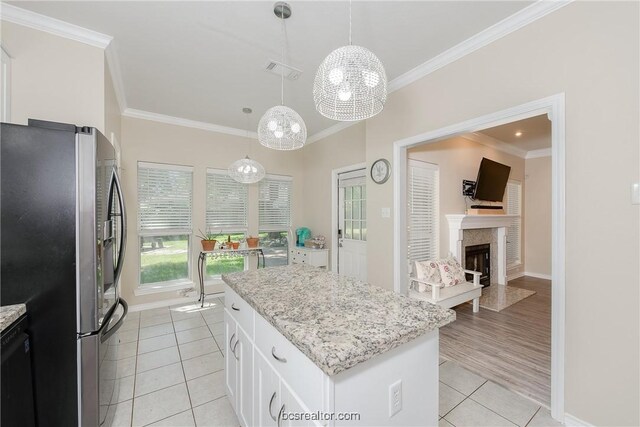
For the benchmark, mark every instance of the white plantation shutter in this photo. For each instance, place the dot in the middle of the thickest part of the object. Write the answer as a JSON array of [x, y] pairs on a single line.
[[165, 195], [422, 221], [274, 204], [514, 231], [226, 203]]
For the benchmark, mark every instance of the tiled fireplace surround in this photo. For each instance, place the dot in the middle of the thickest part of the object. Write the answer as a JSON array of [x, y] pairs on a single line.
[[469, 230]]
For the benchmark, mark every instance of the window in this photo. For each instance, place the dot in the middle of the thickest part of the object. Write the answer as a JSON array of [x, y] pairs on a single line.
[[353, 203], [514, 231], [165, 195], [226, 215], [422, 221], [274, 213]]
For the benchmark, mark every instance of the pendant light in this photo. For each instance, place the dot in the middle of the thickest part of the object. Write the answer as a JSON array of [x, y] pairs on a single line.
[[281, 128], [350, 84], [246, 171]]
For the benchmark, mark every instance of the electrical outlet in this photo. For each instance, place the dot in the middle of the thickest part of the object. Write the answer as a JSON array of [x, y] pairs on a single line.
[[395, 398], [635, 193]]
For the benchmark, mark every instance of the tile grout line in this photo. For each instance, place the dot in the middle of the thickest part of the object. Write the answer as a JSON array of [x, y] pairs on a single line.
[[184, 375], [533, 416], [465, 396]]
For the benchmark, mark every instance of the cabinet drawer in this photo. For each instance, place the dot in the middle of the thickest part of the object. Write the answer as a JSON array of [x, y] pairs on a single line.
[[239, 309], [298, 370]]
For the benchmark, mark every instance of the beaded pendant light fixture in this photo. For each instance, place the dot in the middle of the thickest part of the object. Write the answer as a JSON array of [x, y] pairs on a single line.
[[246, 171], [281, 128], [350, 84]]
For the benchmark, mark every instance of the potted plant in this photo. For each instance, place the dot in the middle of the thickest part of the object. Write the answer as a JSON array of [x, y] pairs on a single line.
[[252, 242], [208, 240]]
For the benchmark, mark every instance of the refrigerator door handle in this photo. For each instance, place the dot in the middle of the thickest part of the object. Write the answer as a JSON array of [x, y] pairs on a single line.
[[106, 335], [115, 185]]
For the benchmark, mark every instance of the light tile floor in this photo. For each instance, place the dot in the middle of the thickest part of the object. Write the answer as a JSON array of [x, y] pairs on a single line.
[[171, 368], [170, 363]]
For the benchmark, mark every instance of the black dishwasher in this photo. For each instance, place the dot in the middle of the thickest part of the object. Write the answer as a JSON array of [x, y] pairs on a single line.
[[17, 388]]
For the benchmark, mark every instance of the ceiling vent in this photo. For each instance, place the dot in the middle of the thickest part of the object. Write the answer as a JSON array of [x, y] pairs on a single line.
[[278, 68]]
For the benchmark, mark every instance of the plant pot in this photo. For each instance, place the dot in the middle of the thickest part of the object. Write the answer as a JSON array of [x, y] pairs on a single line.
[[252, 242], [235, 245], [208, 245]]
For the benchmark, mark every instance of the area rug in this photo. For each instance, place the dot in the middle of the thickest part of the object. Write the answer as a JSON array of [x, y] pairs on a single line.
[[499, 297]]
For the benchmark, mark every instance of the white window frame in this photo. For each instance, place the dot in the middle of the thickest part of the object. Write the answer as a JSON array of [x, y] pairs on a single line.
[[436, 205], [513, 263], [208, 280], [5, 86], [283, 228], [169, 285]]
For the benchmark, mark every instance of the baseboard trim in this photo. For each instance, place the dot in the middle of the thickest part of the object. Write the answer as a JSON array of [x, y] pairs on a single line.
[[515, 276], [538, 275], [169, 302], [571, 421]]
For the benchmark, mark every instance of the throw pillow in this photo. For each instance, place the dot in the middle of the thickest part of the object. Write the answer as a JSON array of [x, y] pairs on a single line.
[[428, 271], [451, 272]]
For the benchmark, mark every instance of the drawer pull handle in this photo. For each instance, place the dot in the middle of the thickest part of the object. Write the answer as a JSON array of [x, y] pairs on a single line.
[[234, 350], [233, 306], [279, 359], [273, 396], [280, 414], [231, 345]]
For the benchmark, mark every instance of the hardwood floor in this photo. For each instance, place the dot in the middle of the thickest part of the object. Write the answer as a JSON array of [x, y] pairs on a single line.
[[512, 347]]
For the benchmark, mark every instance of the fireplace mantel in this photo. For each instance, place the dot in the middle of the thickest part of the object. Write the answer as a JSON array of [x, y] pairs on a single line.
[[459, 223]]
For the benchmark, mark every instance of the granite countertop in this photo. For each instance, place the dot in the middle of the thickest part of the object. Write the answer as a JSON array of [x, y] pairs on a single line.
[[10, 313], [335, 321]]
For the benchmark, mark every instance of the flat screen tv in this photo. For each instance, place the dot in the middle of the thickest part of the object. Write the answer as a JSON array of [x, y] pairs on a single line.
[[492, 181]]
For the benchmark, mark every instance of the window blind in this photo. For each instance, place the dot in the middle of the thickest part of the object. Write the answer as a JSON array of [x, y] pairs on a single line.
[[422, 221], [165, 195], [226, 203], [514, 231], [274, 204]]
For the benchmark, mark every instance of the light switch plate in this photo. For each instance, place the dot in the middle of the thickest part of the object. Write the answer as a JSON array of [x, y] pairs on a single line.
[[635, 193], [386, 212]]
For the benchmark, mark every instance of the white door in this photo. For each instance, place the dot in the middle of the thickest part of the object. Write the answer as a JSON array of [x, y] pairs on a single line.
[[230, 364], [266, 404], [352, 224]]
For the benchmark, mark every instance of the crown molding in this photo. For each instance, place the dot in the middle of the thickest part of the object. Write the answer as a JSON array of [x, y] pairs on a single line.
[[501, 29], [116, 76], [54, 26], [330, 131], [487, 36], [178, 121], [495, 144], [535, 154]]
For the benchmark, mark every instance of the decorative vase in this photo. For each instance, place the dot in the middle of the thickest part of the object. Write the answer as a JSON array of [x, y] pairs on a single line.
[[252, 242], [208, 245]]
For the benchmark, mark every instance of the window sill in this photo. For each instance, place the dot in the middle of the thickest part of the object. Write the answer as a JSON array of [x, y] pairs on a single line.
[[158, 288]]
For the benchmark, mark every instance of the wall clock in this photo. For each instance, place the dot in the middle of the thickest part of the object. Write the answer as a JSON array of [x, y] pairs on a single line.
[[380, 171]]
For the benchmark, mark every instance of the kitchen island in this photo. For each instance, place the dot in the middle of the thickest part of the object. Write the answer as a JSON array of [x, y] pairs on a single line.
[[306, 347]]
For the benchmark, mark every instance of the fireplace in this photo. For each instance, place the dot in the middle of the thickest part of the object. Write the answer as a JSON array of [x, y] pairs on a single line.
[[478, 258]]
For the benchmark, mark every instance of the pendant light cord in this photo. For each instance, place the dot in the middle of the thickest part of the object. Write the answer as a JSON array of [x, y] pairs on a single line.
[[350, 23], [282, 65]]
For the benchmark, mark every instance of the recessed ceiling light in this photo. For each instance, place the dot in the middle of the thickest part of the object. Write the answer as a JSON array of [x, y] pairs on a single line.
[[518, 133]]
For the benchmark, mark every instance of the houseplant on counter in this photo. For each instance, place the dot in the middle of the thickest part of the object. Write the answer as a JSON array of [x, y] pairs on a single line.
[[208, 241]]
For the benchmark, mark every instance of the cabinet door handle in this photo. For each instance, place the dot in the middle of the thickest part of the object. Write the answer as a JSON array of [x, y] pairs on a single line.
[[234, 350], [279, 359], [273, 396], [230, 345], [233, 306], [280, 414]]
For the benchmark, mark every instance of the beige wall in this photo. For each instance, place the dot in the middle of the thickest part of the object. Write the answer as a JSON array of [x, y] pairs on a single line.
[[148, 141], [589, 51], [537, 227], [457, 159], [112, 117], [54, 78], [342, 149]]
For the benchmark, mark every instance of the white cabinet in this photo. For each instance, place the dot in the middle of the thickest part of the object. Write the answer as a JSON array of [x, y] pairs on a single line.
[[314, 257], [268, 378]]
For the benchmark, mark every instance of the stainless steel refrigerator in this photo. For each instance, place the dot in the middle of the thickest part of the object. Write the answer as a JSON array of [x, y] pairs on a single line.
[[63, 232]]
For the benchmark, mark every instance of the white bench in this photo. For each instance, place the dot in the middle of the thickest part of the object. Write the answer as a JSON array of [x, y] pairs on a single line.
[[450, 296]]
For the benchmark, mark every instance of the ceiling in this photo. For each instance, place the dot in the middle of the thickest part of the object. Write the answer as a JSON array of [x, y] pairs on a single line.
[[204, 61], [536, 133]]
